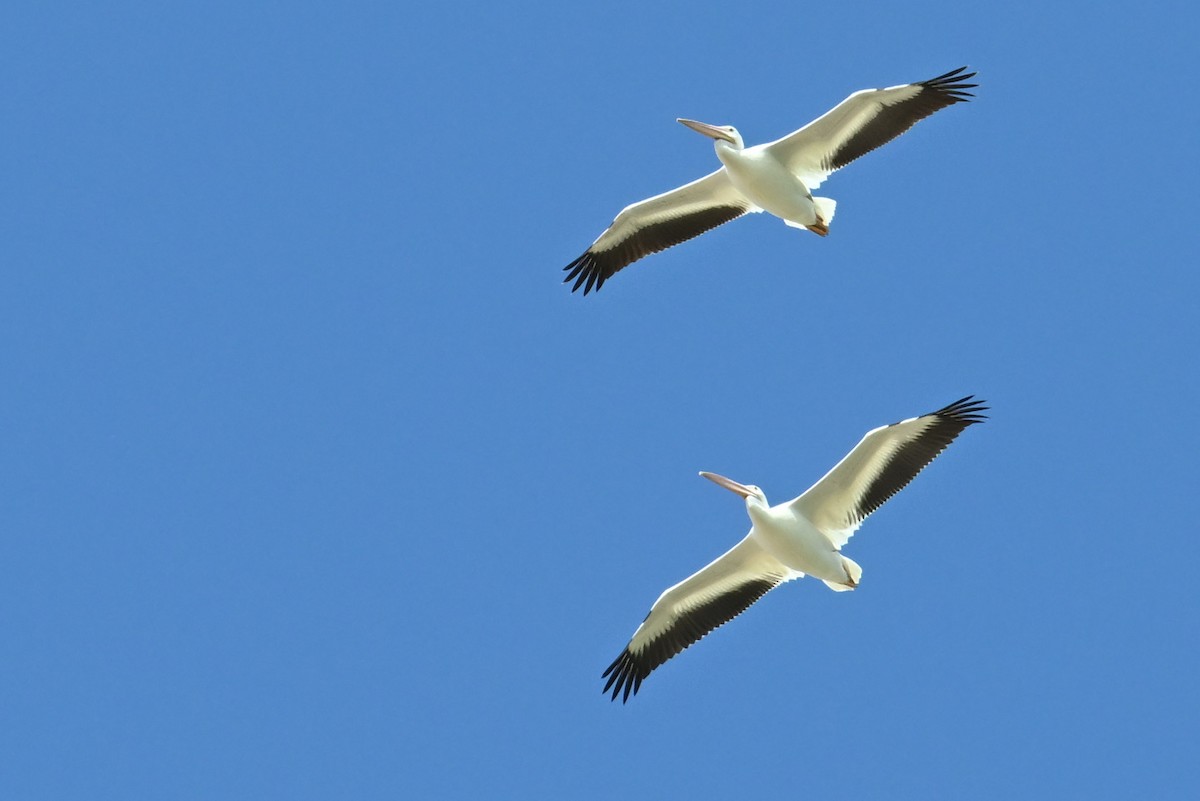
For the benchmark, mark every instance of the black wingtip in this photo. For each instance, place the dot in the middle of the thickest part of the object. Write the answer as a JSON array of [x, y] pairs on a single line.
[[951, 85], [585, 273], [624, 678], [967, 410]]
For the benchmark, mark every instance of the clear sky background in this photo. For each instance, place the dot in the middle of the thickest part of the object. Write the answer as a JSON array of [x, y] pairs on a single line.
[[317, 483]]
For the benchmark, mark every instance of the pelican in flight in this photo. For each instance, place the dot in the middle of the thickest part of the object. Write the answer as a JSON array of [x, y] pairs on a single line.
[[787, 541], [777, 177]]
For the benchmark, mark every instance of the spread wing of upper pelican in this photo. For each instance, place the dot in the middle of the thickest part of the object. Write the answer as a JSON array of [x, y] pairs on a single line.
[[777, 177], [787, 541]]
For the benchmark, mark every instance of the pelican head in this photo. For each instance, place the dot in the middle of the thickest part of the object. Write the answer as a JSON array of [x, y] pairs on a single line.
[[720, 133], [747, 491]]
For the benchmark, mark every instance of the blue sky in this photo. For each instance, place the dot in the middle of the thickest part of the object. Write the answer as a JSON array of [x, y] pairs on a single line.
[[319, 484]]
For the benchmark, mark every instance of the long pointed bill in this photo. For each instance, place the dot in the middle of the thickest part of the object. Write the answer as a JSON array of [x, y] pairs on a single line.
[[728, 483], [708, 130]]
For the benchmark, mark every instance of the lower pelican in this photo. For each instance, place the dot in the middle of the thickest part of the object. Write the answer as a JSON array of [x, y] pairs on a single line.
[[801, 537]]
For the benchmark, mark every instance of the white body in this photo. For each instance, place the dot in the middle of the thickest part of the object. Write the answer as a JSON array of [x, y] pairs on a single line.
[[792, 539], [769, 185]]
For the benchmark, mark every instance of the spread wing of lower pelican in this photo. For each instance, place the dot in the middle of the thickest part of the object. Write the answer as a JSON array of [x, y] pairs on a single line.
[[801, 537], [777, 177]]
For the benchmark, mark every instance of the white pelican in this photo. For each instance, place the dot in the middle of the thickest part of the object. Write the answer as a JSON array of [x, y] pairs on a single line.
[[803, 536], [777, 177]]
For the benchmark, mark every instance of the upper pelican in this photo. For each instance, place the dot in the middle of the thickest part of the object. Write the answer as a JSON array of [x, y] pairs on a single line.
[[804, 535], [777, 177]]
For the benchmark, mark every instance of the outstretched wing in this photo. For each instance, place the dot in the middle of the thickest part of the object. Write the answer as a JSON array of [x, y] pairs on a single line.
[[864, 121], [694, 607], [656, 224], [881, 465]]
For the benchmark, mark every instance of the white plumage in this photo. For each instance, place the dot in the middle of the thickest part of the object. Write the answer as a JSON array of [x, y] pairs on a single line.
[[801, 537], [777, 177]]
